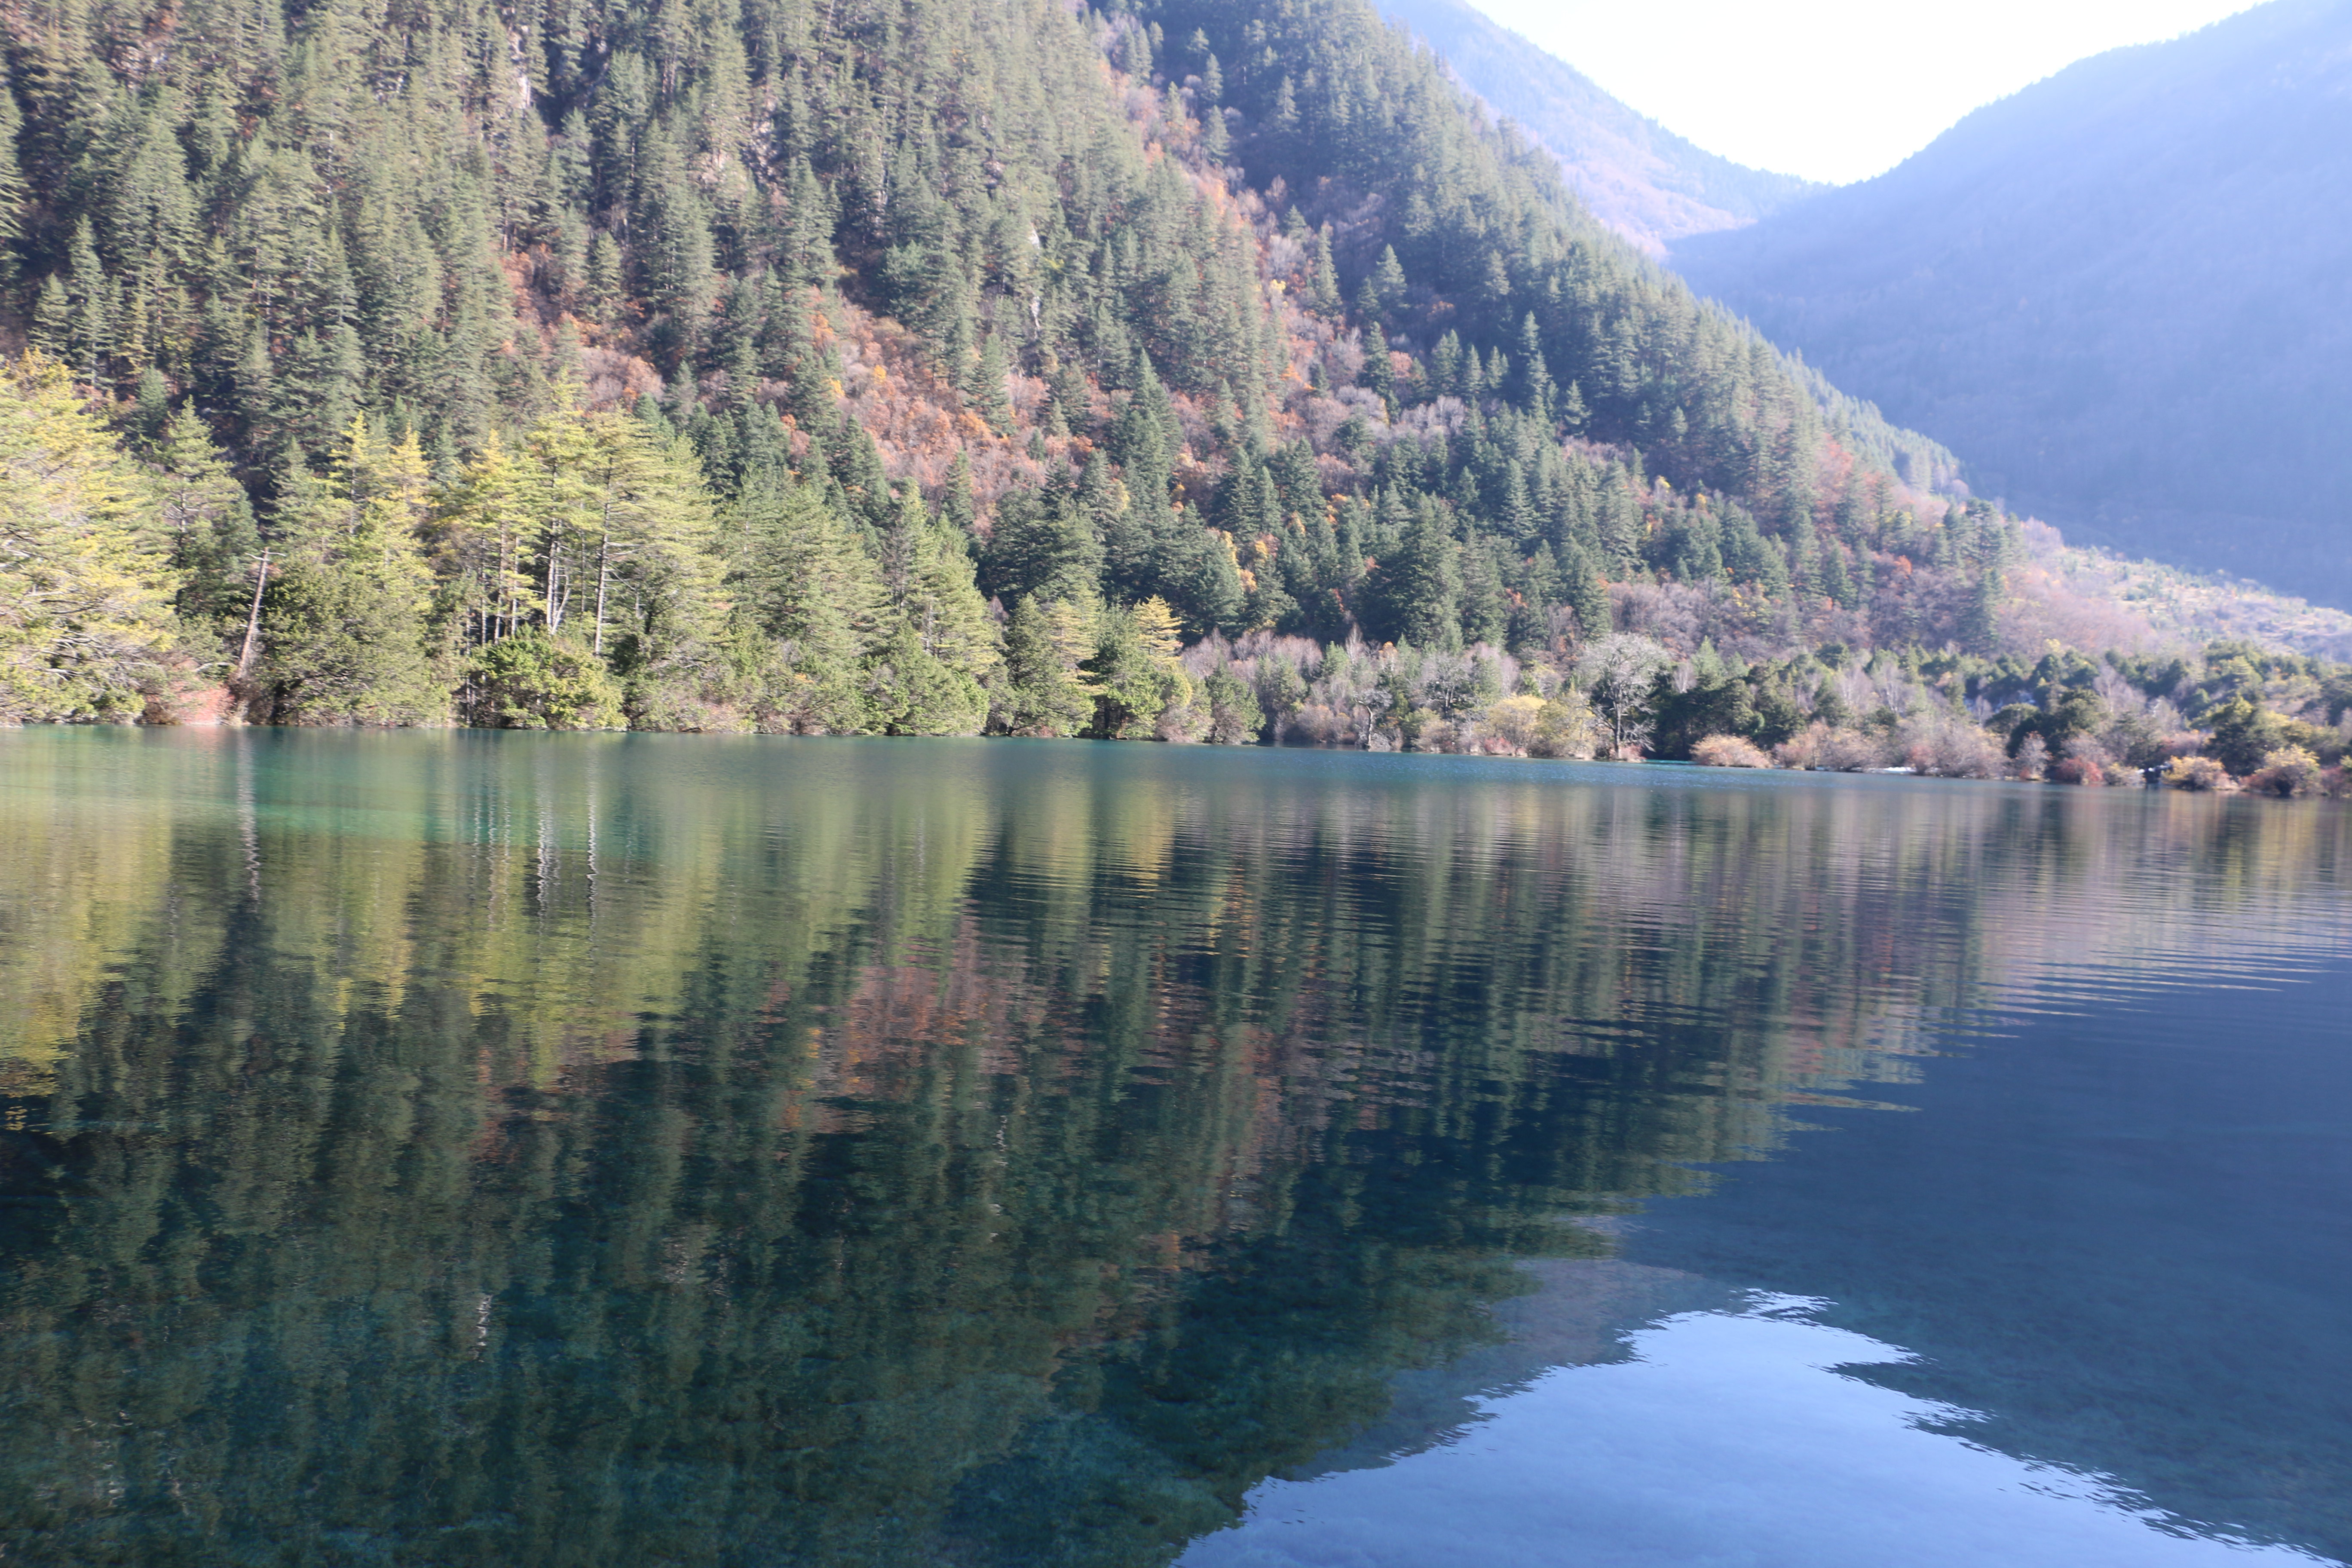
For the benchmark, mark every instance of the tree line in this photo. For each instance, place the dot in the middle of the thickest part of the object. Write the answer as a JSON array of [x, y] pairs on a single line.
[[921, 367]]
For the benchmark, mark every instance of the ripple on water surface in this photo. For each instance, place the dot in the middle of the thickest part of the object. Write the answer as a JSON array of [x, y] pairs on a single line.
[[580, 1148]]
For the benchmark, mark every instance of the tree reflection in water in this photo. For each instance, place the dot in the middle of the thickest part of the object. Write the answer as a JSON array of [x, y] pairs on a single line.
[[499, 1148]]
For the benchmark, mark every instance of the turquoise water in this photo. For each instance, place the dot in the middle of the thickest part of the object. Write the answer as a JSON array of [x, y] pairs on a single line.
[[487, 1148]]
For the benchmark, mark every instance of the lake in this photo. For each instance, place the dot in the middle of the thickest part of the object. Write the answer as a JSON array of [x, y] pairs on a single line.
[[476, 1148]]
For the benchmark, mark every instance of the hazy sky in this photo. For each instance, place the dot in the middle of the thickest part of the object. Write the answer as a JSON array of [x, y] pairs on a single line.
[[1831, 89]]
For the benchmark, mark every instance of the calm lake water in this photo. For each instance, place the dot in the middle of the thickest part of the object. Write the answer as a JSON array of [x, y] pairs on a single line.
[[508, 1149]]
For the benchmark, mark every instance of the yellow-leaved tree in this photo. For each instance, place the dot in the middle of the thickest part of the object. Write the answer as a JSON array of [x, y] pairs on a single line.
[[85, 585], [348, 631], [1141, 685], [595, 540]]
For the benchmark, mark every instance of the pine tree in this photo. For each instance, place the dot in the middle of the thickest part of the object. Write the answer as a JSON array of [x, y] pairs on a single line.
[[1585, 594], [533, 680], [649, 569], [927, 677], [347, 631], [1837, 582], [52, 331], [1573, 413], [1043, 546], [484, 527], [1042, 692], [1486, 614], [1980, 623], [812, 598], [607, 281], [1134, 671], [1324, 286], [806, 242], [1538, 392], [1805, 564], [958, 505], [204, 511], [11, 180], [1379, 376], [1216, 141], [989, 398], [93, 331], [1416, 590]]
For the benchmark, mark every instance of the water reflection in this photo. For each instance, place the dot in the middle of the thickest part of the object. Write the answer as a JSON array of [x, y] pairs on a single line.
[[494, 1148], [1740, 1426]]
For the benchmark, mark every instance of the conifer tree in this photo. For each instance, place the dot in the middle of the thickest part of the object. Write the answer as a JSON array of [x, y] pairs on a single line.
[[485, 527], [1805, 563], [204, 511], [1979, 626], [533, 680], [1379, 375], [1585, 594], [1134, 671], [52, 331], [989, 398], [958, 506], [939, 645], [347, 631], [1043, 546], [649, 569], [1043, 692], [11, 180], [92, 333], [1837, 580], [1417, 588], [1324, 285], [813, 599], [1484, 612]]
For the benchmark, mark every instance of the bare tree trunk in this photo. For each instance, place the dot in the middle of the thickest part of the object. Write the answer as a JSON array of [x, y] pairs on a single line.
[[604, 581], [253, 621]]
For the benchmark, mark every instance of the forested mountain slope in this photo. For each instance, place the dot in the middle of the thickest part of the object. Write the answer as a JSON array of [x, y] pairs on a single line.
[[1635, 175], [910, 366], [2125, 295]]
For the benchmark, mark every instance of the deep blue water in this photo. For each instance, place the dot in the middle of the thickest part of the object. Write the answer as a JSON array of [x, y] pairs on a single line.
[[502, 1148], [2113, 1245]]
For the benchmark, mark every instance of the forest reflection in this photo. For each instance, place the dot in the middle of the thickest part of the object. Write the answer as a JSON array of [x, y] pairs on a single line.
[[499, 1148]]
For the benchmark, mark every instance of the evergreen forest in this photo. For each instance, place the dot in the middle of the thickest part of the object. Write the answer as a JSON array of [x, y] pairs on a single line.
[[1189, 369]]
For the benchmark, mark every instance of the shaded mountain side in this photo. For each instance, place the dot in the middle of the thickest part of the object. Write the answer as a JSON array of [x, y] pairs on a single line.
[[1637, 176], [2124, 294]]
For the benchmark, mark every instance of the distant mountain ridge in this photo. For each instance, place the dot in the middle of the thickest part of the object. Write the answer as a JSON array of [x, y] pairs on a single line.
[[2124, 295], [1638, 177]]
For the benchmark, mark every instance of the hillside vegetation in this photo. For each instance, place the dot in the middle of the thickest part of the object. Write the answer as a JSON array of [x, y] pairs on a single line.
[[1631, 172], [909, 368], [2125, 295]]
